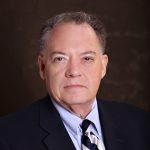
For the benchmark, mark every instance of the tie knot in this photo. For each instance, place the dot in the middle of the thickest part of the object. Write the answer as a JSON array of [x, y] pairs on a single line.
[[85, 124], [89, 139]]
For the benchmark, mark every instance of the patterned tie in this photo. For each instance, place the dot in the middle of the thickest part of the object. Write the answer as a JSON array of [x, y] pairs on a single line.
[[89, 140]]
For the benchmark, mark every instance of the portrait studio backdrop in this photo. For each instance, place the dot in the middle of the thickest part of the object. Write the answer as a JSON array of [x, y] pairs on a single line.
[[127, 46]]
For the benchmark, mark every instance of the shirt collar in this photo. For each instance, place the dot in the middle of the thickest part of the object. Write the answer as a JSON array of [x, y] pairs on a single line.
[[73, 122], [93, 116]]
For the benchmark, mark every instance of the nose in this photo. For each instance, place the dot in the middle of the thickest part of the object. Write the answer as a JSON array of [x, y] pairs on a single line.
[[73, 69]]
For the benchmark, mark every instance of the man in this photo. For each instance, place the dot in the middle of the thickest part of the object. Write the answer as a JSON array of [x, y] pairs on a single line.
[[72, 63]]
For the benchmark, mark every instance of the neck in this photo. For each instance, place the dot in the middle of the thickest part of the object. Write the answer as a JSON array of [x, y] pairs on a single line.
[[80, 110]]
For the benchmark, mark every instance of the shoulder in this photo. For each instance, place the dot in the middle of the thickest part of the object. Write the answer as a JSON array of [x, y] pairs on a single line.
[[129, 123], [21, 118], [116, 107], [21, 130], [123, 111]]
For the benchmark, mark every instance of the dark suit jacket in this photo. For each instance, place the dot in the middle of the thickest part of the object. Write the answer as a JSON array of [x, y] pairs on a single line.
[[40, 128]]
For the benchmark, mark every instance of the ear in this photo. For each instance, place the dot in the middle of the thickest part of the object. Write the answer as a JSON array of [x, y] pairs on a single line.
[[104, 64], [41, 64]]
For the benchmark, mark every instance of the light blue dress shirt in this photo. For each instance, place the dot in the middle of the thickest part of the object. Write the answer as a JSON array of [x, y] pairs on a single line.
[[72, 123]]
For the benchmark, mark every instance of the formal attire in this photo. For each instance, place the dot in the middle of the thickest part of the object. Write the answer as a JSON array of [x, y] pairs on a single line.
[[73, 124], [40, 127]]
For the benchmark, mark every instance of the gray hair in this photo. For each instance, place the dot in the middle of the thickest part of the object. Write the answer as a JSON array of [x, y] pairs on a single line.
[[77, 18]]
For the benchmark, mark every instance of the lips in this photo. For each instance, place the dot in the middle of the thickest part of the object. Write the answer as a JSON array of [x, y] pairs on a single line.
[[74, 86]]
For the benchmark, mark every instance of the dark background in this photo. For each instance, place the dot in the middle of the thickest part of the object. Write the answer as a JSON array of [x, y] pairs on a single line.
[[127, 25]]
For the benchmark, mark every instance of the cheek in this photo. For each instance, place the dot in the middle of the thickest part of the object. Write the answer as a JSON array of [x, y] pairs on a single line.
[[94, 79], [95, 72], [94, 76], [54, 78]]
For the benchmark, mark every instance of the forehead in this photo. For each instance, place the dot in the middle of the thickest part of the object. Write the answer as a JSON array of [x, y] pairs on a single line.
[[71, 35]]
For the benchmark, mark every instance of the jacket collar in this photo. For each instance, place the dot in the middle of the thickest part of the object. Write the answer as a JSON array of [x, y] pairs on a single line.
[[57, 136]]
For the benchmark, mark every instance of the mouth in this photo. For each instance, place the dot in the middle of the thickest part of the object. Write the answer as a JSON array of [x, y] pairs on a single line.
[[74, 86]]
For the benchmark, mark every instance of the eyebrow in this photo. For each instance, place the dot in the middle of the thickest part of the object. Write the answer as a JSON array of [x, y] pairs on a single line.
[[63, 53], [88, 52], [57, 52]]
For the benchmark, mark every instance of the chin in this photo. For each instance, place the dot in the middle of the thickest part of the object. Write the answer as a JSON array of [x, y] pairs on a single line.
[[75, 100]]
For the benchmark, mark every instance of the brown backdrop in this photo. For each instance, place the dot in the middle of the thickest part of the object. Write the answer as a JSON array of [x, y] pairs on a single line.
[[127, 25]]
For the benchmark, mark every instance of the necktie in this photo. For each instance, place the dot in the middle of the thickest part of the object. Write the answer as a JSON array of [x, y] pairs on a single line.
[[89, 140]]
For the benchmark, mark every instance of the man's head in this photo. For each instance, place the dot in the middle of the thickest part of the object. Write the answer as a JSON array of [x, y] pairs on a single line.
[[71, 60], [77, 18]]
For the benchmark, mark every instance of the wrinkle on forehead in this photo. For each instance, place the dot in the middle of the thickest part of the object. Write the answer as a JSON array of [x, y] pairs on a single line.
[[73, 36]]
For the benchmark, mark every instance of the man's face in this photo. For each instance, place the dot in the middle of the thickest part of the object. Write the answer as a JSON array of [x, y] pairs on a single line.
[[72, 64]]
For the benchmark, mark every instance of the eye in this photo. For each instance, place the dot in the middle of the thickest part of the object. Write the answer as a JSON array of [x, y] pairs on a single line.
[[57, 59], [88, 58]]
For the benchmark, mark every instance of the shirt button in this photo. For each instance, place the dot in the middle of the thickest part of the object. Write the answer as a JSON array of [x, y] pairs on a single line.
[[80, 129]]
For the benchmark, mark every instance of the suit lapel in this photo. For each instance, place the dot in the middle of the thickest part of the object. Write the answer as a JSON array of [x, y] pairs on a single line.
[[57, 136], [113, 139]]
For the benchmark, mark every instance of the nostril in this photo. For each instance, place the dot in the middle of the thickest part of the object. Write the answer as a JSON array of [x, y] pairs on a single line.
[[72, 74]]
